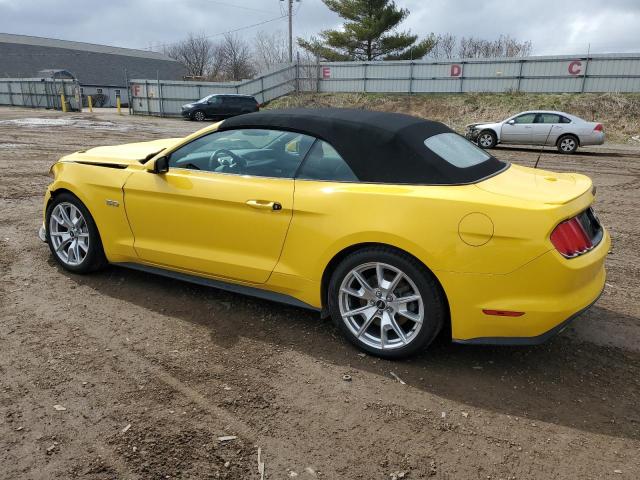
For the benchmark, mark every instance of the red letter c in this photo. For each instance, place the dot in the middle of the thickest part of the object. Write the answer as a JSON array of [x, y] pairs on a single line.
[[575, 67]]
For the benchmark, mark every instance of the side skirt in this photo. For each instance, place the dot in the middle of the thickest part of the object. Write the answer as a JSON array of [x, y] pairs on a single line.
[[229, 287]]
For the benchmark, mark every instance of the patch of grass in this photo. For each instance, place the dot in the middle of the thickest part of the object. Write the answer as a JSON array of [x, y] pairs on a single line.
[[620, 113]]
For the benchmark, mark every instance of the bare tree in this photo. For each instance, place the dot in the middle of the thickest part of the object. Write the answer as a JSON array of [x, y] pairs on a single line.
[[217, 65], [195, 53], [236, 58], [504, 46], [444, 47], [270, 49]]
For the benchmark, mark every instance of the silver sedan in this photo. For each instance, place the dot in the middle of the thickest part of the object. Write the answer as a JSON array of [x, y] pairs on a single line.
[[540, 127]]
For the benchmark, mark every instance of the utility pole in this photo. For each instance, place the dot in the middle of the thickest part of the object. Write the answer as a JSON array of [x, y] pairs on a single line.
[[290, 17], [290, 11]]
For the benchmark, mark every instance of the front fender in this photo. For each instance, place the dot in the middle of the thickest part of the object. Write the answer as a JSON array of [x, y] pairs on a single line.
[[100, 190], [495, 127]]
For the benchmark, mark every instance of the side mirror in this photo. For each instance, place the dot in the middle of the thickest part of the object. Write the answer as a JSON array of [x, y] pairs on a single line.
[[511, 122], [161, 165]]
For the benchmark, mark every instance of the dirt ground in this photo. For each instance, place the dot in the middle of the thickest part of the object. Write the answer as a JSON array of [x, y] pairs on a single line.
[[150, 372]]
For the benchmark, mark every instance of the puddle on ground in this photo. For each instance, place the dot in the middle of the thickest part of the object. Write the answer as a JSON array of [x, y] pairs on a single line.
[[65, 122]]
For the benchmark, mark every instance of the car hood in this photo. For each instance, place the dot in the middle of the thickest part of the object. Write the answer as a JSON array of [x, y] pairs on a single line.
[[122, 155], [481, 124], [540, 186]]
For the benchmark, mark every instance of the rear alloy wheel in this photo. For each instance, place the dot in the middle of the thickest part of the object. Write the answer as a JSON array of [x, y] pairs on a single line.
[[72, 235], [199, 116], [567, 144], [385, 302], [487, 139]]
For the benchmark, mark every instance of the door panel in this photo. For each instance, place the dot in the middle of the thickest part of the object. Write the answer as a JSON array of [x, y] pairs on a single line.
[[226, 108], [520, 132], [201, 221], [547, 128], [213, 107], [545, 132]]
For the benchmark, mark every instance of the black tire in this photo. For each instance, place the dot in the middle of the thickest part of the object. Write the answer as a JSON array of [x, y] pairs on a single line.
[[198, 116], [434, 305], [567, 144], [487, 139], [95, 258]]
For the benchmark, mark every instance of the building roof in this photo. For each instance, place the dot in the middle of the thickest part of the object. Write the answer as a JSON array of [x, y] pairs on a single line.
[[92, 64], [82, 46], [379, 147]]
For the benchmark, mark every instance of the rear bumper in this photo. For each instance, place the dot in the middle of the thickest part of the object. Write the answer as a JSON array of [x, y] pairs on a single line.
[[551, 291], [528, 341], [594, 138]]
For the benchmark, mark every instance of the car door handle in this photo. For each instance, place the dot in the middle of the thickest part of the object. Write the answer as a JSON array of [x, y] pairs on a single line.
[[264, 204]]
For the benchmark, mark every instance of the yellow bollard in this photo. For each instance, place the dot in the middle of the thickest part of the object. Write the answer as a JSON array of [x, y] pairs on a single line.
[[90, 99], [118, 105], [64, 102]]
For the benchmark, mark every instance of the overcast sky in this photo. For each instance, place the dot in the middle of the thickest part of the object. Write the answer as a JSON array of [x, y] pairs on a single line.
[[554, 26]]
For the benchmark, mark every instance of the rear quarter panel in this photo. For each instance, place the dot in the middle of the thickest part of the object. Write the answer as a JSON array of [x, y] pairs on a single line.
[[424, 221]]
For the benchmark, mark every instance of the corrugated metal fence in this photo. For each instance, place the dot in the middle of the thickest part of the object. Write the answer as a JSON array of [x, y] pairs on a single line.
[[593, 73], [38, 92], [166, 97]]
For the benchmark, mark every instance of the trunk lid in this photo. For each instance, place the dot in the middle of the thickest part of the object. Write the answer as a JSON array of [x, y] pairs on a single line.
[[537, 185], [126, 154]]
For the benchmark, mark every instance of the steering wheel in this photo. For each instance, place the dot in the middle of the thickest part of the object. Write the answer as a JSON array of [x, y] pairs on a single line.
[[228, 160]]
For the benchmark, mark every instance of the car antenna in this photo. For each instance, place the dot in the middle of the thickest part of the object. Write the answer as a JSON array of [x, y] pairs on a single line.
[[543, 145]]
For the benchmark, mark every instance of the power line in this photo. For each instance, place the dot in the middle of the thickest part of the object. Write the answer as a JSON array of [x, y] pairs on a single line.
[[224, 33], [240, 6]]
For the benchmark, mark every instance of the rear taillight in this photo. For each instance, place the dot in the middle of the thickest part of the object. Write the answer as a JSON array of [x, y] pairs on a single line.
[[571, 239], [598, 128]]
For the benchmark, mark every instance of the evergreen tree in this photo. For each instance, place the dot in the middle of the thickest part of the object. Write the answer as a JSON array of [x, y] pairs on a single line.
[[369, 33]]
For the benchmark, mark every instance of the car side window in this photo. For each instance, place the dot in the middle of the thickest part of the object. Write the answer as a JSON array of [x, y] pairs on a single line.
[[547, 118], [564, 119], [526, 118], [324, 163], [255, 152]]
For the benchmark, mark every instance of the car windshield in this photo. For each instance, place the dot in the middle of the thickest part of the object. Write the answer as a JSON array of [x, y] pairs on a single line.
[[456, 150], [205, 99]]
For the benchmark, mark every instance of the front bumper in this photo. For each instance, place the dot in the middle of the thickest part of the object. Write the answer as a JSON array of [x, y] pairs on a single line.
[[472, 134], [186, 113], [42, 233]]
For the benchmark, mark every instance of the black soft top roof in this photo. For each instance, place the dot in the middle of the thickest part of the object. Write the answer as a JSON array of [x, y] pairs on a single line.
[[379, 147]]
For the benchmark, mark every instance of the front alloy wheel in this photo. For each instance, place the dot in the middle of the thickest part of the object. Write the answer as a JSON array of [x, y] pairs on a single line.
[[72, 235], [199, 116], [386, 302], [487, 140], [69, 234]]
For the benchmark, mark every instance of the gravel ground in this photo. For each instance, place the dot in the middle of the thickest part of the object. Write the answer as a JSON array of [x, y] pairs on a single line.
[[148, 373]]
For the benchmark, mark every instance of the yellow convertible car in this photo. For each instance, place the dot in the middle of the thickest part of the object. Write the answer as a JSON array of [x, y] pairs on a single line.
[[394, 226]]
